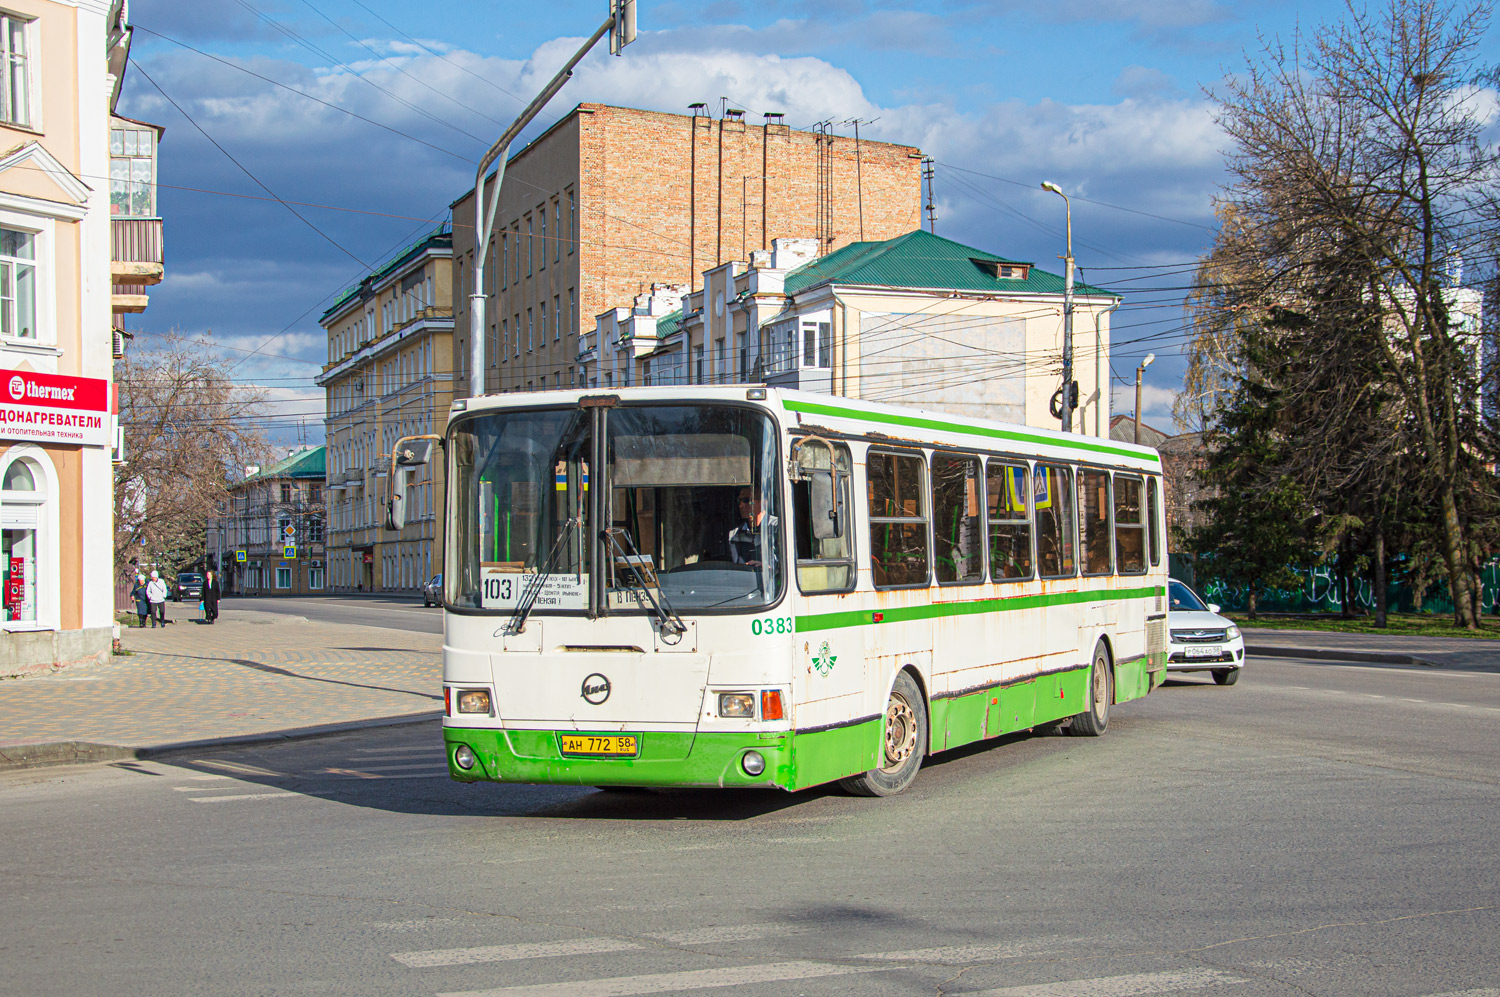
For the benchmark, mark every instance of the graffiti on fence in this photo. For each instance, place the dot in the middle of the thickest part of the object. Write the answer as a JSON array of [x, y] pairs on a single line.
[[1319, 591]]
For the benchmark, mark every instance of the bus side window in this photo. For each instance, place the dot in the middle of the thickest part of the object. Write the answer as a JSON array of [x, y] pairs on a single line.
[[1054, 520], [956, 500], [898, 521], [1153, 523], [1008, 499], [1130, 530], [1093, 521], [823, 564]]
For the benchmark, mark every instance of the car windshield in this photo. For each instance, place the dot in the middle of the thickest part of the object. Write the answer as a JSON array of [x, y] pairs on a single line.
[[1185, 599], [189, 579]]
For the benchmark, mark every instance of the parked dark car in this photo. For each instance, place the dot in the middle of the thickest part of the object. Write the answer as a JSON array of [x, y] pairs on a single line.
[[432, 592], [189, 586]]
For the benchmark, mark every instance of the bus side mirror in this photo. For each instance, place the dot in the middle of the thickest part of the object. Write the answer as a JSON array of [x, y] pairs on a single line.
[[823, 506], [395, 506], [413, 452]]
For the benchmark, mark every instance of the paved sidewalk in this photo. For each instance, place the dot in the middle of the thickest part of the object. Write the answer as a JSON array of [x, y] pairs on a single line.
[[1467, 654], [252, 674]]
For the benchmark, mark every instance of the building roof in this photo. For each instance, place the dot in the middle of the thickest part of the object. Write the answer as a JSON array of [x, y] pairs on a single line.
[[923, 260], [439, 238], [302, 464]]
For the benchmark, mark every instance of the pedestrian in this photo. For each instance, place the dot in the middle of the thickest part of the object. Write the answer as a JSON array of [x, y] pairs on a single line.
[[156, 594], [138, 596], [210, 597]]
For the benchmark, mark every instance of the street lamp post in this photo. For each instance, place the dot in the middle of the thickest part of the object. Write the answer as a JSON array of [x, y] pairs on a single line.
[[1139, 373], [621, 25], [1068, 390]]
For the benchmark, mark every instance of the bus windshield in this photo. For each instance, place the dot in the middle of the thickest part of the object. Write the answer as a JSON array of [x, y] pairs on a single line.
[[692, 511]]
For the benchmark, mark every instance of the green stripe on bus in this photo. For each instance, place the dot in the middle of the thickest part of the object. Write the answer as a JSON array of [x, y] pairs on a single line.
[[906, 614], [838, 412]]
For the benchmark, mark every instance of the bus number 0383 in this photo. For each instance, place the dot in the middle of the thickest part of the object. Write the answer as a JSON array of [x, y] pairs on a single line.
[[778, 625]]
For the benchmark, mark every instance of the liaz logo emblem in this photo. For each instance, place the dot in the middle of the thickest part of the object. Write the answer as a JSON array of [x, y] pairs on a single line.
[[824, 661], [595, 689]]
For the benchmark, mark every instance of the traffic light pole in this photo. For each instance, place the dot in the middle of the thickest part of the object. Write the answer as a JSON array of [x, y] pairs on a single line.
[[622, 22]]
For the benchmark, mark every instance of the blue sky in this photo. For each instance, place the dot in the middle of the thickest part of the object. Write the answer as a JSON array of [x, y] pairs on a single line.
[[1102, 96]]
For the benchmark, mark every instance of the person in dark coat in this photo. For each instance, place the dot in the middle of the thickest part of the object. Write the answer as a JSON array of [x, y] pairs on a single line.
[[138, 596], [210, 596]]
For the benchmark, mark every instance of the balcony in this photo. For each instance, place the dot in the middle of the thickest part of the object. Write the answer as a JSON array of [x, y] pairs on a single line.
[[135, 261]]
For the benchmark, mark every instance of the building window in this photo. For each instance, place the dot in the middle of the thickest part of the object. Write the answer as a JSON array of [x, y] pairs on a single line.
[[504, 257], [556, 317], [315, 577], [530, 332], [22, 497], [17, 284], [504, 337], [283, 578], [572, 310], [516, 324], [132, 167], [314, 494], [572, 219], [557, 242], [15, 50], [530, 243], [515, 247], [314, 529], [542, 225]]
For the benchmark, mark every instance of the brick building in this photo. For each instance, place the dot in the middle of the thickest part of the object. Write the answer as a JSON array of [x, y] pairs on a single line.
[[610, 200]]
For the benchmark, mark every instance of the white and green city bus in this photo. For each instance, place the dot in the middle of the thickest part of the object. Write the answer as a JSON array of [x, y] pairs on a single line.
[[751, 587]]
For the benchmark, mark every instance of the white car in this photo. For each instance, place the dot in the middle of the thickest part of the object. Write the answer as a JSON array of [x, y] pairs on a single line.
[[1199, 639]]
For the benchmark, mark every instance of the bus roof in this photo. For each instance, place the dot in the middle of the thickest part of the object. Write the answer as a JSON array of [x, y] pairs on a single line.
[[902, 423]]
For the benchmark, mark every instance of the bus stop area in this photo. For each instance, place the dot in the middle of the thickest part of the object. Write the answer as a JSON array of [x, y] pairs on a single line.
[[252, 676], [261, 676]]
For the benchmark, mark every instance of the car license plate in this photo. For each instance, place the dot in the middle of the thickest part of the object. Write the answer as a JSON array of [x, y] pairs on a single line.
[[599, 745], [1209, 651]]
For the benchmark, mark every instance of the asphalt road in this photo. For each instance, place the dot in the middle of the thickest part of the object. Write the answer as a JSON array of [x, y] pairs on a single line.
[[368, 611], [1317, 829]]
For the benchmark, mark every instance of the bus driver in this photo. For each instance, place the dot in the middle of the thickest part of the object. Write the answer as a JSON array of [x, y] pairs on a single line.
[[744, 539]]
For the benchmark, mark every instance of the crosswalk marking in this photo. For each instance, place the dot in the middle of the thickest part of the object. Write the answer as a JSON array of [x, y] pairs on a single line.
[[1481, 992], [240, 796], [508, 953], [693, 979], [430, 764], [586, 946], [975, 953], [239, 768], [1133, 985]]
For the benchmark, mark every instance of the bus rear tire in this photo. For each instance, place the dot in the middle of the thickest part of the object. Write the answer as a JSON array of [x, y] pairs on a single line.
[[1093, 721], [903, 743]]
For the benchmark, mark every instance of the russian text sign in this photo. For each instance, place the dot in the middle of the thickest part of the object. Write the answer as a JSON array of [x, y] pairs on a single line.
[[55, 408]]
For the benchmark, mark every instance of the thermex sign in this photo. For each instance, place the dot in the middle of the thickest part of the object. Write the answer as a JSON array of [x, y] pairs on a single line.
[[55, 408]]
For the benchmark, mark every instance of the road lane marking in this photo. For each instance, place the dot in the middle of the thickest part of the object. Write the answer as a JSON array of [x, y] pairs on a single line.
[[509, 953], [239, 796], [430, 763], [1481, 992], [1122, 986], [206, 778], [694, 979], [976, 953], [727, 933], [237, 767]]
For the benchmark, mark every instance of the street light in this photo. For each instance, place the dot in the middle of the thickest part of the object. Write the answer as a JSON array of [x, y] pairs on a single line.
[[621, 26], [1068, 391], [1139, 372]]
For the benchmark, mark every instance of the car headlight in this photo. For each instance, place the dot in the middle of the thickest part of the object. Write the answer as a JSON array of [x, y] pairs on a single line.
[[1231, 631], [474, 701], [737, 704]]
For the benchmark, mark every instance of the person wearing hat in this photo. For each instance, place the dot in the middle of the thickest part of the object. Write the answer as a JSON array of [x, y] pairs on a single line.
[[138, 596], [156, 594]]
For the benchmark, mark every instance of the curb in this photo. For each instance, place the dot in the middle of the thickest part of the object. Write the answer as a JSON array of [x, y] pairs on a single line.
[[1328, 654], [19, 757]]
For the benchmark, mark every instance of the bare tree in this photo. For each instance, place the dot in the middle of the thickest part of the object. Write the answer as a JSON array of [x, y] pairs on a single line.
[[187, 426], [1358, 154]]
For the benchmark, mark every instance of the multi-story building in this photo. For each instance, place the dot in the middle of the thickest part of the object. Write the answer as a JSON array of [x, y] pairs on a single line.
[[59, 219], [914, 320], [389, 374], [611, 200], [270, 537]]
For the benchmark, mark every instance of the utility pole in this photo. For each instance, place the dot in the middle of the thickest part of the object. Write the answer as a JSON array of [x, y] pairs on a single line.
[[927, 171], [621, 27], [859, 181], [1139, 373], [1069, 388]]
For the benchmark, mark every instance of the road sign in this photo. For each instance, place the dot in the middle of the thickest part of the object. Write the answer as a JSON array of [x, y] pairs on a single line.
[[239, 556], [290, 552], [289, 530]]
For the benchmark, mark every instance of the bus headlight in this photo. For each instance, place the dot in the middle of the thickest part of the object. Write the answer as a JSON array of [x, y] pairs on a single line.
[[737, 704], [754, 763], [474, 701], [463, 755]]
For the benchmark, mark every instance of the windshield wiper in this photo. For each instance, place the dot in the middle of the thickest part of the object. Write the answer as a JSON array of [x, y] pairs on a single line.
[[534, 587], [667, 619]]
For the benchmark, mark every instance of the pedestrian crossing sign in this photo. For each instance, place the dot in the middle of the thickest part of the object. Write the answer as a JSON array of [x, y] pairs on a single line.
[[290, 552], [239, 556]]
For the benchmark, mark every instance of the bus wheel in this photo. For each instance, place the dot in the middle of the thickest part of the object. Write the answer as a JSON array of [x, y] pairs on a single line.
[[903, 744], [1093, 721]]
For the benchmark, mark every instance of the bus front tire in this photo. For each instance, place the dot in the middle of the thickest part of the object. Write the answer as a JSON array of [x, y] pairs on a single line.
[[1093, 721], [903, 743]]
